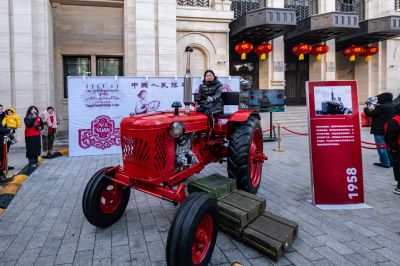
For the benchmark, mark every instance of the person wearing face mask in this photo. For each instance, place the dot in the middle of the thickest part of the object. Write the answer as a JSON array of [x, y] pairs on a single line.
[[210, 91], [33, 126]]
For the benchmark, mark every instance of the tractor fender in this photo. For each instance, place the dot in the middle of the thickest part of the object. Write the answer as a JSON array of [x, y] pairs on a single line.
[[239, 117]]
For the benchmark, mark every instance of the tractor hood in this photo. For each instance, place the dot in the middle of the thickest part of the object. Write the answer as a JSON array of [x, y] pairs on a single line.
[[193, 121]]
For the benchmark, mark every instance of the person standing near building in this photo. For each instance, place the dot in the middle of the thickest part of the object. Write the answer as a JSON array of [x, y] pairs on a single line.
[[381, 114], [33, 126], [48, 133], [392, 140], [3, 132], [2, 113]]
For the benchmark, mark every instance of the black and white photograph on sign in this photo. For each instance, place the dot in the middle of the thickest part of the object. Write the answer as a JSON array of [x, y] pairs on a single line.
[[333, 100]]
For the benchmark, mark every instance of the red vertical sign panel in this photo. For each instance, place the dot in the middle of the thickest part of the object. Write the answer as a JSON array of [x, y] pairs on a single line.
[[335, 144]]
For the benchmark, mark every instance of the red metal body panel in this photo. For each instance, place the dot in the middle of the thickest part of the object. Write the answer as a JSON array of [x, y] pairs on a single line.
[[148, 151]]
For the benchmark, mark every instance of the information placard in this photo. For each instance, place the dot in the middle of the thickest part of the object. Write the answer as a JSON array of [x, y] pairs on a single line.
[[335, 144]]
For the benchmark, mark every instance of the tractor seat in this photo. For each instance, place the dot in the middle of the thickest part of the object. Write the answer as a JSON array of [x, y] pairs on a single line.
[[231, 104]]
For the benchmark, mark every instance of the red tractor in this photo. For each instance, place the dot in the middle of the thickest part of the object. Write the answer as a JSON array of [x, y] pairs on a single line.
[[162, 150]]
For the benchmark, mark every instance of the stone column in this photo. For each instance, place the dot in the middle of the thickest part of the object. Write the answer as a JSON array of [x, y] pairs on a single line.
[[129, 38], [324, 69], [6, 88], [166, 64]]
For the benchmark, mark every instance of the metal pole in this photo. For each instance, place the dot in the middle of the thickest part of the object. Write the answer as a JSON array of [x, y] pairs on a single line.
[[5, 163], [279, 148]]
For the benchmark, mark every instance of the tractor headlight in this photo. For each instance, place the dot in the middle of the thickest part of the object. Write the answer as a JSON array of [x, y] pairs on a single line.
[[176, 129]]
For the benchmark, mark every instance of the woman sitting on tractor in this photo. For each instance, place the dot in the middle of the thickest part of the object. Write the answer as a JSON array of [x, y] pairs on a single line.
[[210, 91]]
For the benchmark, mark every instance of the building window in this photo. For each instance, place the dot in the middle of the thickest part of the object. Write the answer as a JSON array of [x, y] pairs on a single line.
[[304, 8], [109, 66], [397, 5], [241, 7], [201, 3], [75, 66], [354, 6]]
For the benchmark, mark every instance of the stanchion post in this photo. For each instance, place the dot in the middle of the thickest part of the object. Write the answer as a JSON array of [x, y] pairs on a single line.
[[5, 140], [279, 148]]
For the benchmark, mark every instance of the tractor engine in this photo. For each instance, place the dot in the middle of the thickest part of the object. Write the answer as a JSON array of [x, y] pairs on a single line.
[[183, 152]]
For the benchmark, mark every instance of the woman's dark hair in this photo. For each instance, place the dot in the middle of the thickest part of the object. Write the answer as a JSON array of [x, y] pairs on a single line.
[[50, 107], [140, 93], [30, 109], [209, 71]]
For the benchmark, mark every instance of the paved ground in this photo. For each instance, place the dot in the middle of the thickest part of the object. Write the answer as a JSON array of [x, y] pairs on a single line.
[[44, 225]]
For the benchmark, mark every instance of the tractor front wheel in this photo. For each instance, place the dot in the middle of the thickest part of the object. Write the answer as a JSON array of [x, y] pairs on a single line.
[[245, 155], [104, 201], [193, 233]]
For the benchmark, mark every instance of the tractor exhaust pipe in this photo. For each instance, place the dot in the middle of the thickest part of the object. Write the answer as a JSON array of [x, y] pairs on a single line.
[[188, 81]]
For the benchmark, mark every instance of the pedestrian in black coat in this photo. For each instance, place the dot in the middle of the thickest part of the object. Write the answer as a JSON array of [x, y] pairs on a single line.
[[381, 114], [392, 140], [210, 91]]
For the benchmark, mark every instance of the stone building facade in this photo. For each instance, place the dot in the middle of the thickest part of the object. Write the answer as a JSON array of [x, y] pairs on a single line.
[[44, 41]]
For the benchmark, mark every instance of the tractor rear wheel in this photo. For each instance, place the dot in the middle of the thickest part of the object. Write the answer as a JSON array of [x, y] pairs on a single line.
[[193, 233], [245, 155], [104, 201]]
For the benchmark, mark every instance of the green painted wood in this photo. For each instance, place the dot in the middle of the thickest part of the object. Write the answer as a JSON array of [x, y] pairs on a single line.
[[270, 234], [215, 185]]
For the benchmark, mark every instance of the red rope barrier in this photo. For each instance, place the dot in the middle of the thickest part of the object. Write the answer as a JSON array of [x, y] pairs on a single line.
[[269, 129], [296, 133], [370, 148], [375, 144]]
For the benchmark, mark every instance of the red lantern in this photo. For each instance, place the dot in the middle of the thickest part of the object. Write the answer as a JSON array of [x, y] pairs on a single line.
[[369, 51], [319, 50], [352, 51], [301, 49], [263, 49], [243, 48]]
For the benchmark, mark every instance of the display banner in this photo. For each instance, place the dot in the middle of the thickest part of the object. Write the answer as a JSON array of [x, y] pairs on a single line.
[[96, 106], [335, 144]]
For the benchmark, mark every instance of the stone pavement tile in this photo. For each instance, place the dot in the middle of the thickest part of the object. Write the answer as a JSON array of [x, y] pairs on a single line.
[[224, 242], [367, 253], [234, 255], [223, 264], [164, 236], [25, 235], [51, 246], [135, 228], [140, 259], [120, 238], [28, 257], [143, 208], [218, 257], [335, 245], [121, 255], [306, 251], [387, 243], [132, 215], [102, 262], [151, 233], [14, 228], [163, 224], [393, 256], [88, 228], [102, 249], [159, 263], [365, 241], [5, 242], [137, 244], [147, 219], [58, 230], [66, 253], [358, 259], [45, 261], [86, 242], [71, 235], [154, 249], [83, 258], [46, 225], [248, 252], [103, 234], [297, 259], [24, 216], [332, 256], [9, 263], [323, 262], [388, 263], [13, 252]]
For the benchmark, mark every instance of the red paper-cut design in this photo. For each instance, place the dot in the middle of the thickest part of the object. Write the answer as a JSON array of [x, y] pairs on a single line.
[[101, 135]]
